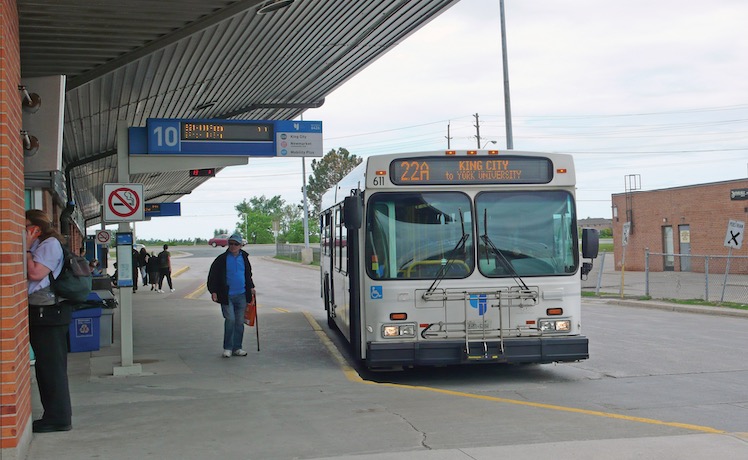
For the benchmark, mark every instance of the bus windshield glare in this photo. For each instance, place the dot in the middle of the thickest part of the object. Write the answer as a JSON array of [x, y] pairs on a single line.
[[533, 230], [411, 235]]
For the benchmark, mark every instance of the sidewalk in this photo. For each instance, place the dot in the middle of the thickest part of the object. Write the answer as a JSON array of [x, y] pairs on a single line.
[[277, 403]]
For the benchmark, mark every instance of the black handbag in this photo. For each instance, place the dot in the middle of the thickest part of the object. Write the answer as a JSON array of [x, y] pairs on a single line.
[[60, 314]]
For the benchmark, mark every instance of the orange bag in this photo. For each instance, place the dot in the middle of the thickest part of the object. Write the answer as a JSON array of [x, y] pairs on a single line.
[[250, 314]]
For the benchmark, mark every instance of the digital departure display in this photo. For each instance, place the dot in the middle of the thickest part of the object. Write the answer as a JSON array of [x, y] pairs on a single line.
[[471, 170], [226, 131]]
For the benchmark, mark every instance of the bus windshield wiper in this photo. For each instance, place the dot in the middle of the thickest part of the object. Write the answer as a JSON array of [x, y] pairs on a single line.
[[499, 255], [460, 246]]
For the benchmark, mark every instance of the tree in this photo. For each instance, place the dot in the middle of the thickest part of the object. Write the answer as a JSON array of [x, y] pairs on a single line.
[[327, 172], [257, 216]]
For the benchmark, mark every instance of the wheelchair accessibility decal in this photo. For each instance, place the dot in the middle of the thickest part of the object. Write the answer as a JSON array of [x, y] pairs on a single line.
[[376, 292], [480, 302]]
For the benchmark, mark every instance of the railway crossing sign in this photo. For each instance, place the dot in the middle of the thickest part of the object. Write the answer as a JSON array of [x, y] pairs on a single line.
[[735, 231], [123, 203]]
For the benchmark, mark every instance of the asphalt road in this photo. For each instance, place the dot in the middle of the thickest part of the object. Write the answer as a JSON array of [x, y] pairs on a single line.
[[651, 364], [659, 385]]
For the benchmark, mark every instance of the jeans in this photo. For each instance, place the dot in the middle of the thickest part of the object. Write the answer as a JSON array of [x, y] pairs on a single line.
[[233, 322]]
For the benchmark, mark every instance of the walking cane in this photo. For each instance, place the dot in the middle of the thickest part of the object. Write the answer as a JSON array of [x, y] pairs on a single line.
[[257, 324]]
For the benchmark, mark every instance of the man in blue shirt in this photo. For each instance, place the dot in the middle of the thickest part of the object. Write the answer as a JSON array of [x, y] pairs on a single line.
[[230, 284]]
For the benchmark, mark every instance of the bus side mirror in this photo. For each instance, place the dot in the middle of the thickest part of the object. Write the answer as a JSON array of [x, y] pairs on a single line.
[[590, 243], [352, 212], [590, 248]]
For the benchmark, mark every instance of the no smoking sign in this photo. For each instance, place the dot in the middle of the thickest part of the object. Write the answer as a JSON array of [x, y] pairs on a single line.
[[123, 203]]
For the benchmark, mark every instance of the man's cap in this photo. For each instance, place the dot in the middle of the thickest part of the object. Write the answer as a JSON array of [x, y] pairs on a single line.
[[236, 238]]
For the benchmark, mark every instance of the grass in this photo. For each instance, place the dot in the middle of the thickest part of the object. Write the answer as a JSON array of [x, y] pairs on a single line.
[[294, 259], [701, 302]]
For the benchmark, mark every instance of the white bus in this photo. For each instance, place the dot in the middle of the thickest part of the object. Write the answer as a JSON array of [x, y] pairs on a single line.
[[453, 257]]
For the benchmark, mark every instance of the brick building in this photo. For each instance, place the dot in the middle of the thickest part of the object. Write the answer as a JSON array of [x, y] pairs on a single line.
[[595, 222], [678, 222]]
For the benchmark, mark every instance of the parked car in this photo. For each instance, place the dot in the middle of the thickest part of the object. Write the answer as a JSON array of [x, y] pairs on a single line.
[[219, 240]]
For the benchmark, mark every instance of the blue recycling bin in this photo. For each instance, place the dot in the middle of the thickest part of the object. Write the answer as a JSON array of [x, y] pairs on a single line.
[[85, 330]]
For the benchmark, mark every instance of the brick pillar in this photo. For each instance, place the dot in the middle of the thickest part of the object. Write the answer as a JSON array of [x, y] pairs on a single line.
[[15, 379]]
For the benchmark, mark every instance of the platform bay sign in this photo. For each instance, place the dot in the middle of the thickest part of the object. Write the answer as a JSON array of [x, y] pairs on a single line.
[[257, 138]]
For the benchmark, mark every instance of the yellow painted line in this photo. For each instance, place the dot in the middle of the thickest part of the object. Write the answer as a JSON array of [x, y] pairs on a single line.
[[348, 371], [197, 292], [353, 376], [180, 271], [282, 310]]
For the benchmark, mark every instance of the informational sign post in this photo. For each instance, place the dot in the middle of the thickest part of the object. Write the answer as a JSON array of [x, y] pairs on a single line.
[[733, 240], [124, 260]]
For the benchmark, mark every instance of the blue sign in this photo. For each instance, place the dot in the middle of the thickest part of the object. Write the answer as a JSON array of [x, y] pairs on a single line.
[[163, 209], [124, 238], [261, 138], [376, 292]]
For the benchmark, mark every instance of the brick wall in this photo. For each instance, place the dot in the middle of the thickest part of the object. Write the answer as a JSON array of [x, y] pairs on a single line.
[[15, 390], [705, 208]]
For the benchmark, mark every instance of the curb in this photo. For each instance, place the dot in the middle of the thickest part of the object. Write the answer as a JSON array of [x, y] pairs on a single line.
[[699, 309], [288, 262]]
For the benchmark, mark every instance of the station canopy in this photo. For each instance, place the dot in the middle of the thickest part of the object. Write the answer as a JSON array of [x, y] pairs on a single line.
[[234, 59]]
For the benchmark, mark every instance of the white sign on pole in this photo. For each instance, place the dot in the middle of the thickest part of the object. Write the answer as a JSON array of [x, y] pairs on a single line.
[[734, 236], [103, 237], [123, 203], [626, 231]]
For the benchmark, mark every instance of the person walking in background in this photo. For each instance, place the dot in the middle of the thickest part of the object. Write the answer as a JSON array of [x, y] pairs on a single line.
[[153, 271], [143, 257], [48, 323], [164, 269], [230, 284], [135, 271]]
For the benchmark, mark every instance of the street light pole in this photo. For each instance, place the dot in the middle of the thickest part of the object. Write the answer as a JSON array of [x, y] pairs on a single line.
[[487, 142], [507, 103]]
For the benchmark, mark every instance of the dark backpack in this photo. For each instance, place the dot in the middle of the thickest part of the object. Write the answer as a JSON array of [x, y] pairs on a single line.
[[74, 281]]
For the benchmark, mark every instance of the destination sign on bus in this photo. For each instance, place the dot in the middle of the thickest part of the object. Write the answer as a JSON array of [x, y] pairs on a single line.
[[471, 170]]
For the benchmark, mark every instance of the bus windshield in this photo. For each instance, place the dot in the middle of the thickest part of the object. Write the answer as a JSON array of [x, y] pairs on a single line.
[[412, 235], [534, 230]]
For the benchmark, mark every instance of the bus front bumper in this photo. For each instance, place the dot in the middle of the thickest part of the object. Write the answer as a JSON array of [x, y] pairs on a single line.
[[516, 350]]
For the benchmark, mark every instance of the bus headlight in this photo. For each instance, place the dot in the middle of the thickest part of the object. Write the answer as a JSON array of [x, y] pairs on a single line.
[[554, 325], [399, 330]]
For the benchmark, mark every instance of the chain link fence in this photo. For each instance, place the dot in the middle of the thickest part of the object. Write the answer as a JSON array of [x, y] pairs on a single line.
[[709, 278], [293, 252]]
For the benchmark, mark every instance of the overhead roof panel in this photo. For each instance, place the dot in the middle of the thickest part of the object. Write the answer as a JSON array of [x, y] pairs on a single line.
[[138, 59]]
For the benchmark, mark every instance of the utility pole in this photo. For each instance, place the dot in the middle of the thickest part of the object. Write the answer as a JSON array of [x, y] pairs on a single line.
[[448, 138], [477, 129], [507, 102]]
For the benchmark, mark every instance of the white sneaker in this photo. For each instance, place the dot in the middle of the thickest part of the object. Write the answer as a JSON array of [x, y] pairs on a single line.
[[161, 291], [172, 289], [227, 353], [238, 352]]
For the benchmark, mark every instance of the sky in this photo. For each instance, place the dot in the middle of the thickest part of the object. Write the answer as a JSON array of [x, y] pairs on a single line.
[[654, 89]]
